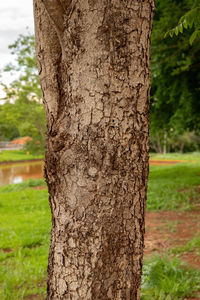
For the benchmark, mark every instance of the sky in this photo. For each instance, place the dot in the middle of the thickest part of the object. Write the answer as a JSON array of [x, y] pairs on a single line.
[[15, 17]]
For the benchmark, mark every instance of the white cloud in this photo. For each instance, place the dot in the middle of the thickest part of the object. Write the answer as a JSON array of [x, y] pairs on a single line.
[[15, 17]]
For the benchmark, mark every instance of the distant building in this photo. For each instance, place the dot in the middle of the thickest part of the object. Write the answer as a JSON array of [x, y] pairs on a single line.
[[19, 143]]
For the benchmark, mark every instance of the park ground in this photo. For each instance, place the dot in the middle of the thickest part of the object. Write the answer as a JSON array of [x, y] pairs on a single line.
[[172, 243], [16, 155]]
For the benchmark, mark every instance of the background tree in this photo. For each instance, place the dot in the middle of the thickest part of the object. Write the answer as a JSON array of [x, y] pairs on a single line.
[[23, 114], [175, 75], [93, 59], [27, 86]]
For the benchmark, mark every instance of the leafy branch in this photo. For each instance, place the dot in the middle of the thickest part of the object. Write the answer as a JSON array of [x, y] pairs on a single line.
[[187, 21]]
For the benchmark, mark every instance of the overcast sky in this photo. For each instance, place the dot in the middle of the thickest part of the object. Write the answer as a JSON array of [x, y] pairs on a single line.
[[15, 17]]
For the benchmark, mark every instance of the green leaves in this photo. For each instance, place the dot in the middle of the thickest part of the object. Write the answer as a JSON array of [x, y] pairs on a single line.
[[187, 21], [25, 112], [27, 86], [175, 76], [195, 34]]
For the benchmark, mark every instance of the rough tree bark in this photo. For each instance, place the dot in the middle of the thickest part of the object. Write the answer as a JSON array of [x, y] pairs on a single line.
[[93, 60]]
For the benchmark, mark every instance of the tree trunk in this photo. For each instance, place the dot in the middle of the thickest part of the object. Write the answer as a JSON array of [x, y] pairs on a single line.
[[182, 147], [93, 60], [165, 143], [159, 147]]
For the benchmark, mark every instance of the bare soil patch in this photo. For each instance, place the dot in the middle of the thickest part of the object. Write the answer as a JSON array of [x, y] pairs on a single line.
[[168, 229]]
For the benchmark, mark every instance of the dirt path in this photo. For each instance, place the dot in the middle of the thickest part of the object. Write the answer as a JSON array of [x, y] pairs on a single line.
[[160, 162]]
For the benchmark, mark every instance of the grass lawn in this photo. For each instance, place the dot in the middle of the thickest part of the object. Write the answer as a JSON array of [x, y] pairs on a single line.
[[17, 155], [177, 156], [25, 228], [24, 241], [171, 187]]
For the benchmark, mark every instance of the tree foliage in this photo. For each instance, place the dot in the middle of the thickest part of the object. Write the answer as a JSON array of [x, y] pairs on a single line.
[[175, 74], [188, 20], [27, 85], [23, 110]]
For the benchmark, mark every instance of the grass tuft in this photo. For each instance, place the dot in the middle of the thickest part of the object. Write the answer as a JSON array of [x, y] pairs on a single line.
[[164, 278]]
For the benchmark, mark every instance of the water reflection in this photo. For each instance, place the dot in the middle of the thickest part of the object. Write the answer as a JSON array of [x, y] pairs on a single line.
[[18, 172]]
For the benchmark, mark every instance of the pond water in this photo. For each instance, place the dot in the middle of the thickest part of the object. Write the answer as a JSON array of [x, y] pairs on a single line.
[[18, 172]]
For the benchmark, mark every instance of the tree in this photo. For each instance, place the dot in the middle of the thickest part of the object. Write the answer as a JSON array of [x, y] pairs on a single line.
[[93, 60], [7, 131], [24, 115], [175, 74], [27, 86]]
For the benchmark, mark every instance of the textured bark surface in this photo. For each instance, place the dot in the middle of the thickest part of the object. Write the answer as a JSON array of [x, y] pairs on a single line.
[[93, 59]]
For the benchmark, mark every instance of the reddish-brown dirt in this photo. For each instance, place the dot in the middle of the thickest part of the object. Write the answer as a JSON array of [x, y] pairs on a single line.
[[35, 297], [161, 162], [169, 229], [40, 187]]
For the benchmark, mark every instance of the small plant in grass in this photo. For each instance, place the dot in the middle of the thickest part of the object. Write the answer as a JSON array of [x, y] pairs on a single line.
[[166, 279]]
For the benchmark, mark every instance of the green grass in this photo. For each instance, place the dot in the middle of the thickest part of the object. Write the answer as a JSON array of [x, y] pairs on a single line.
[[25, 226], [166, 182], [193, 245], [24, 241], [21, 186], [17, 155], [168, 279], [177, 156]]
